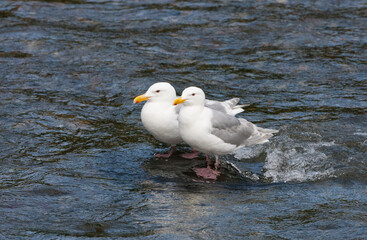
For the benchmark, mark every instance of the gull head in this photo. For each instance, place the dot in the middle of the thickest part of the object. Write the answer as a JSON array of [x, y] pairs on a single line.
[[161, 91], [191, 96]]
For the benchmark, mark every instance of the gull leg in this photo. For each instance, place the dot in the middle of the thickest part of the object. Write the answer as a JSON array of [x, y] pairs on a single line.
[[207, 161], [216, 164], [191, 155], [165, 155]]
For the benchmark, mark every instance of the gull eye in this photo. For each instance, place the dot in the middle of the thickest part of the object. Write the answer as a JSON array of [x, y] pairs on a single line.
[[193, 94], [157, 91]]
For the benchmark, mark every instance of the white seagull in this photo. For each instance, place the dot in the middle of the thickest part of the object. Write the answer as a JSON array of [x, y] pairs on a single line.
[[214, 132], [160, 117]]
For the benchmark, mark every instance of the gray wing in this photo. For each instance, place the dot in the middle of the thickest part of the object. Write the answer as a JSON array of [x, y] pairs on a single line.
[[230, 129], [230, 106], [215, 105], [239, 132]]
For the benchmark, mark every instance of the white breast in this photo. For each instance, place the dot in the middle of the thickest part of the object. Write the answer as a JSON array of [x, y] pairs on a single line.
[[195, 130], [161, 121]]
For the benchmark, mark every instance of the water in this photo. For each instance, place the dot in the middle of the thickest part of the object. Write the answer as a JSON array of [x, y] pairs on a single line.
[[76, 163]]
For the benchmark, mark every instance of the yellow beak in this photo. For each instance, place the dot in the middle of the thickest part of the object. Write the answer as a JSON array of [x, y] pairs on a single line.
[[141, 98], [179, 100]]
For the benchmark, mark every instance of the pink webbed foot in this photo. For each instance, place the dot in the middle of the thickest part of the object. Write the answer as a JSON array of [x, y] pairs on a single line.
[[165, 155], [207, 173], [192, 155], [162, 155]]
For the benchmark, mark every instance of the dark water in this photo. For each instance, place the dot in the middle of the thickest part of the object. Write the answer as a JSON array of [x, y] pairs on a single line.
[[76, 162]]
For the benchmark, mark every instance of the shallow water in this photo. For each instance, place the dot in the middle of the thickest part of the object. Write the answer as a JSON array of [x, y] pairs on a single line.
[[76, 162]]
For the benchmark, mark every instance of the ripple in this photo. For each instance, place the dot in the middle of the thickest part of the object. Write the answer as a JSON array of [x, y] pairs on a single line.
[[76, 161]]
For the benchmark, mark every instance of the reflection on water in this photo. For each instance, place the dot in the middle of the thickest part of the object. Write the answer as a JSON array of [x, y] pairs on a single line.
[[76, 161]]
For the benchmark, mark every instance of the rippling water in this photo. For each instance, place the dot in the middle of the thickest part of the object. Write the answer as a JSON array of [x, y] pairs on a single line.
[[76, 162]]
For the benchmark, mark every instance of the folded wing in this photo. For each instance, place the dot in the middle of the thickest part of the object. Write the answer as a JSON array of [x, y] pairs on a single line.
[[238, 131], [229, 106]]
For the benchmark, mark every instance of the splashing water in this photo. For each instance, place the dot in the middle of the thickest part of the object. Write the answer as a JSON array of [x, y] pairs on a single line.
[[293, 156], [289, 161], [250, 152]]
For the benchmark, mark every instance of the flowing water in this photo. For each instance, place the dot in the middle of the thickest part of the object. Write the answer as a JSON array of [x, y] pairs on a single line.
[[76, 162]]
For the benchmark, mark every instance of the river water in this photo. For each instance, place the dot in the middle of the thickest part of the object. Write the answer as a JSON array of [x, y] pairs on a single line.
[[76, 162]]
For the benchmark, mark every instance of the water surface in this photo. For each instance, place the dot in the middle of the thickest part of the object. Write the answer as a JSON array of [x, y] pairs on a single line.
[[76, 162]]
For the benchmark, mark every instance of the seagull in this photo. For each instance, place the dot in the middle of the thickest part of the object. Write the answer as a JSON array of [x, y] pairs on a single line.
[[160, 117], [214, 132]]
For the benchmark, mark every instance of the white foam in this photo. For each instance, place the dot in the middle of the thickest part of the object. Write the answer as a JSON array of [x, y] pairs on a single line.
[[249, 152], [297, 162], [364, 134], [294, 155]]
